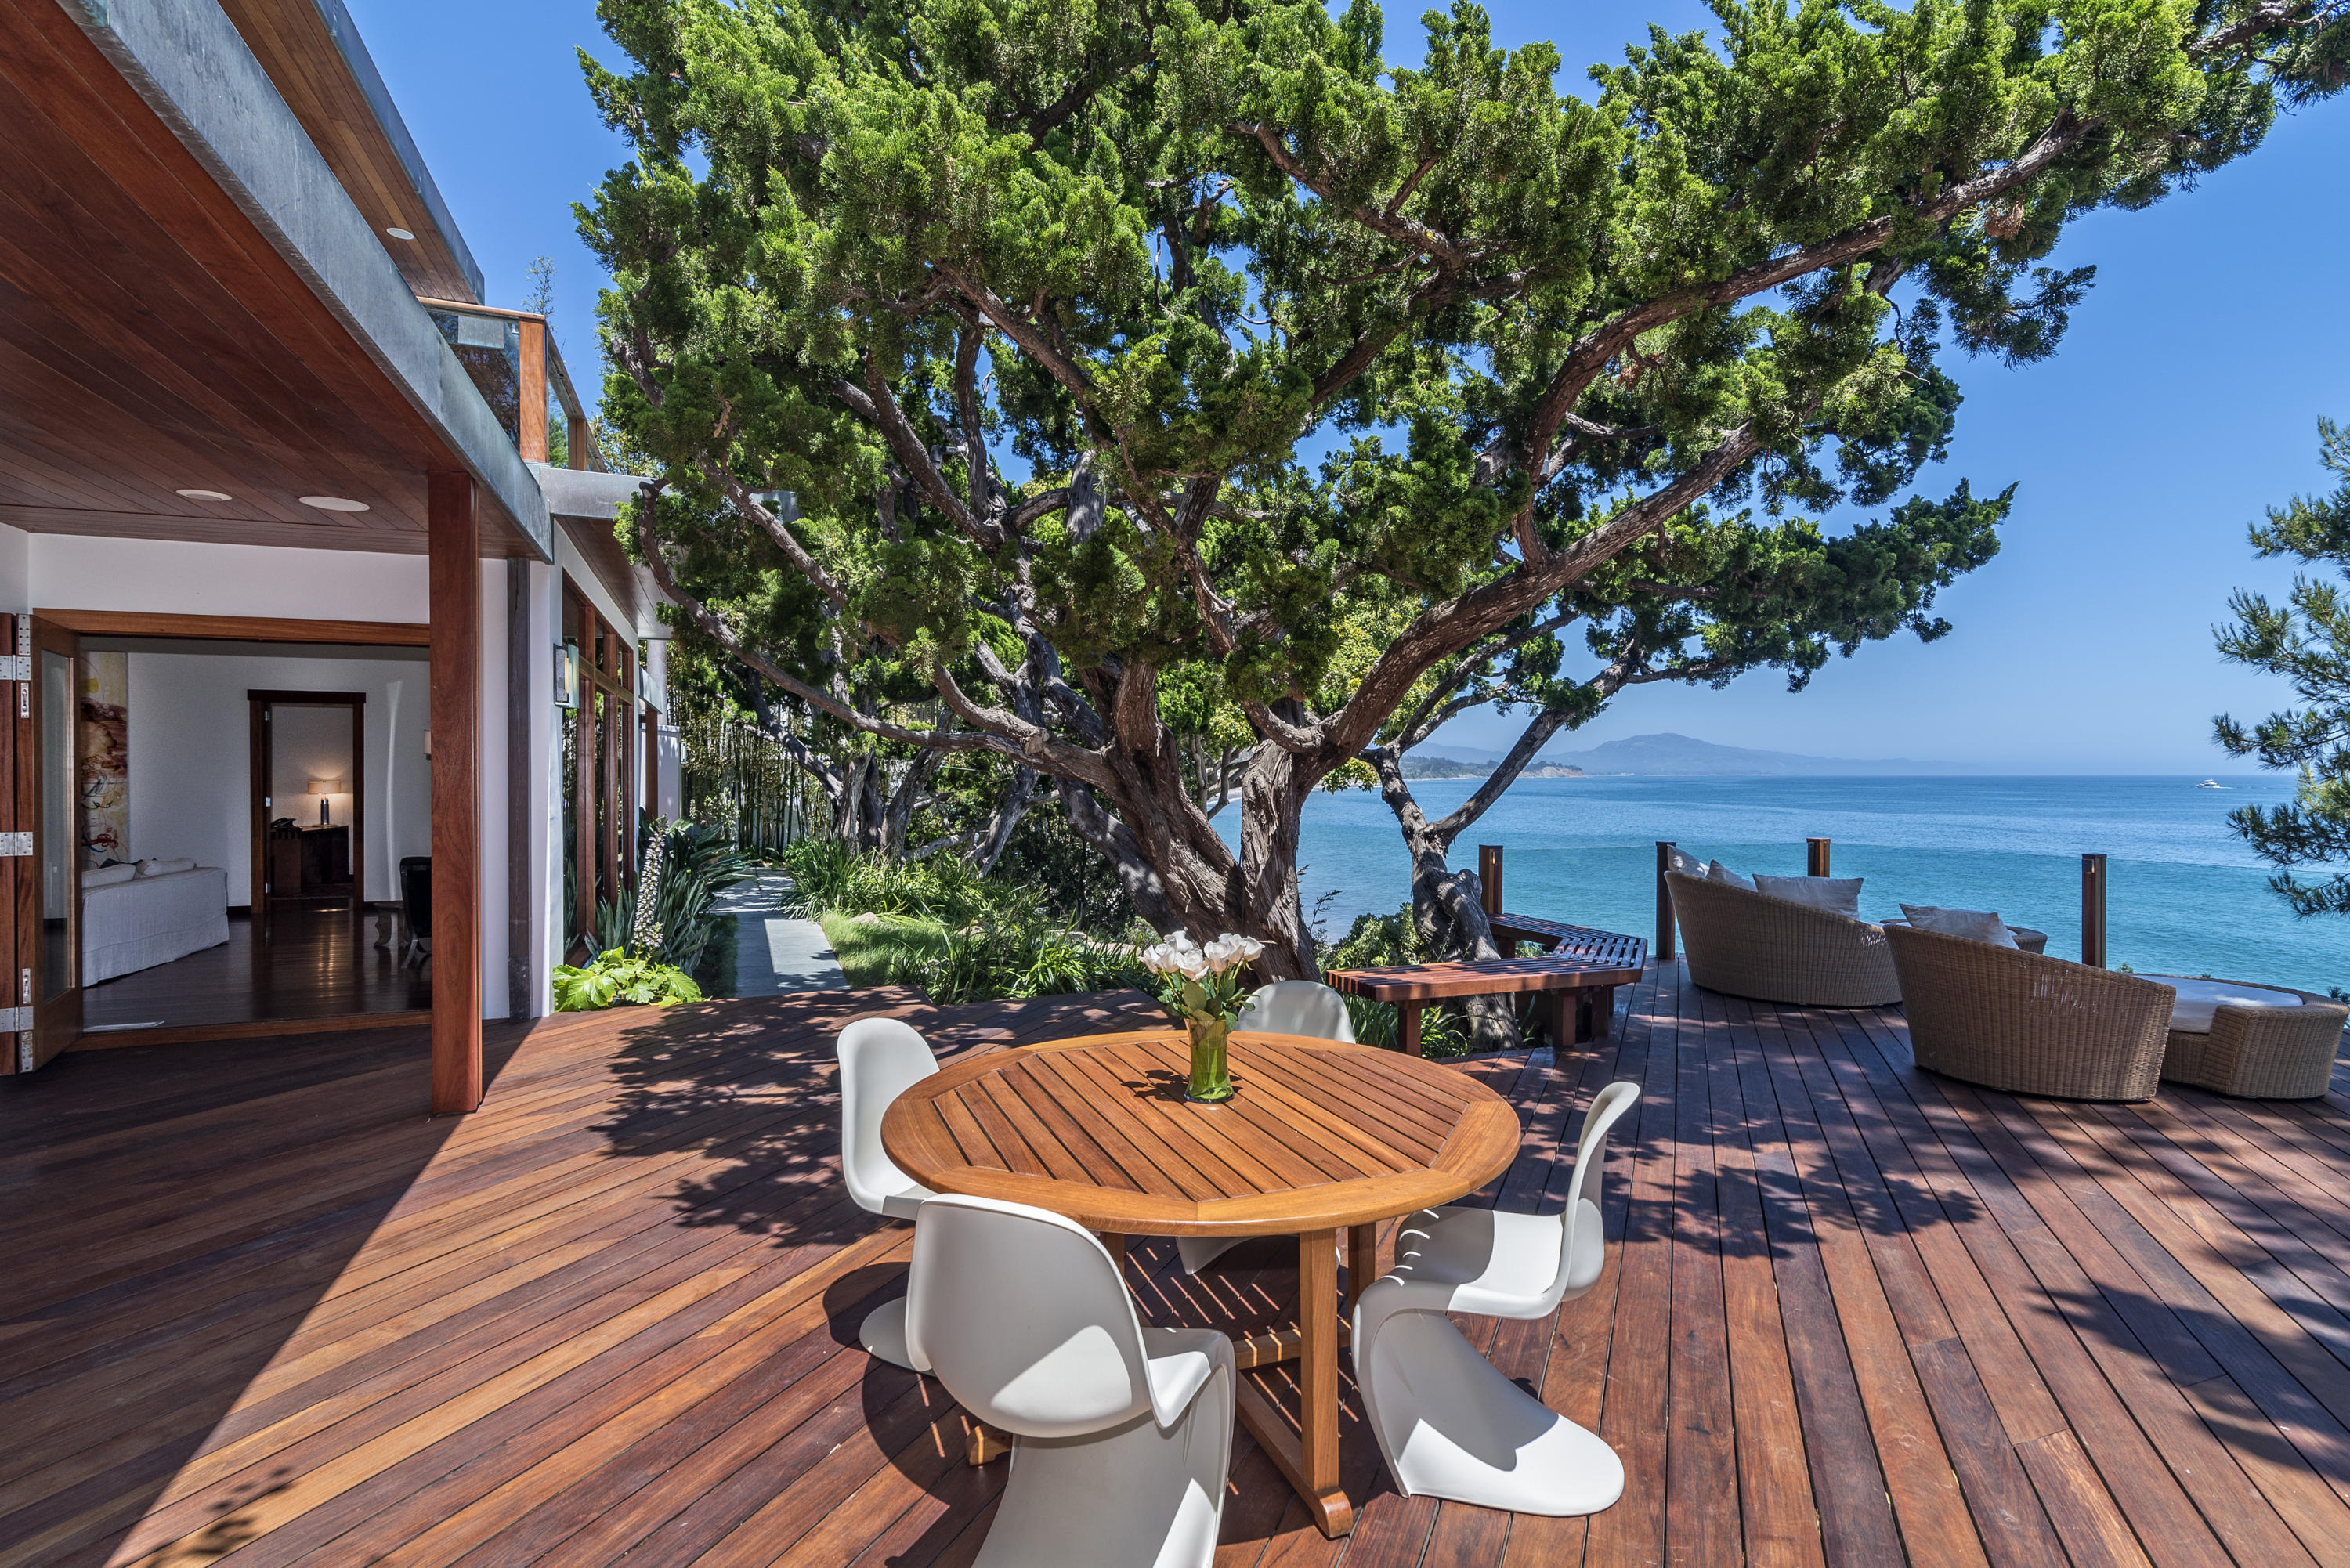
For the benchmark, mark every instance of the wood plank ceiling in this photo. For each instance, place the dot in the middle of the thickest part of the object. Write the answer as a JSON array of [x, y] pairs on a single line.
[[152, 340]]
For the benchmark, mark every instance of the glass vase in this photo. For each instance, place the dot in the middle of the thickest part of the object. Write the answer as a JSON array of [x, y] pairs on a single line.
[[1212, 1079]]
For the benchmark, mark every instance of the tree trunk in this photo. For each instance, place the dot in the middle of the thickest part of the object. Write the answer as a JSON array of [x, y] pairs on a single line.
[[1117, 842], [898, 815], [1018, 796], [1448, 911]]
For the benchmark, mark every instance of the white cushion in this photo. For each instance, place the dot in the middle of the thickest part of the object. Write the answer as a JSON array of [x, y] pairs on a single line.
[[1975, 925], [2199, 999], [164, 868], [1687, 865], [1836, 895], [108, 875], [1717, 872]]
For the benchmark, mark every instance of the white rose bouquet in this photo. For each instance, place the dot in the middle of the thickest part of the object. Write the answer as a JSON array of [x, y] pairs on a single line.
[[1202, 990]]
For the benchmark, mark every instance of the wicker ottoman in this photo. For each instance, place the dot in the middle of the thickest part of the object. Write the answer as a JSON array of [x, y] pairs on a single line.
[[2261, 1052]]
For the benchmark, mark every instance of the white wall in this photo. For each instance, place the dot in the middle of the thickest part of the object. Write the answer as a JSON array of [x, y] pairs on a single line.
[[307, 743], [492, 748], [191, 753], [16, 571], [163, 577]]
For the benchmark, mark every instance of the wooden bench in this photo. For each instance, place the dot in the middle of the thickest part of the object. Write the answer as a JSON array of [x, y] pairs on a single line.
[[1578, 976]]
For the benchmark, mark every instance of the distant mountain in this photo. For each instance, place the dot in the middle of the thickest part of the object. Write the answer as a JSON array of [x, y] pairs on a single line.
[[1682, 754]]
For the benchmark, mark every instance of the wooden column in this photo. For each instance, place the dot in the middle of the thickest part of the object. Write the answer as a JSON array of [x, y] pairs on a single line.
[[2093, 910], [1489, 876], [456, 654], [531, 433], [1661, 950], [1815, 857]]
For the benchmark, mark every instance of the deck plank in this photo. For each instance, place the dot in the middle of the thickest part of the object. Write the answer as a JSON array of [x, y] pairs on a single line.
[[263, 1312]]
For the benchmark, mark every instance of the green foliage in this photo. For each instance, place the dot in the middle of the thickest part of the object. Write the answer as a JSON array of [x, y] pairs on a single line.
[[2305, 639], [692, 863], [618, 976], [1018, 950], [830, 875], [944, 929]]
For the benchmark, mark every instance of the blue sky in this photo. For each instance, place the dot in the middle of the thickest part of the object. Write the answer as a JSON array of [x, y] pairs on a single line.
[[2185, 398]]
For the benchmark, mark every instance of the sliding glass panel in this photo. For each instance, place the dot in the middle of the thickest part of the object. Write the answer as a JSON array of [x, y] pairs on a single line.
[[58, 800]]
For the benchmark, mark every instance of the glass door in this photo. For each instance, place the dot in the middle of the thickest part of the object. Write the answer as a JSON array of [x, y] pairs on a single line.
[[50, 976]]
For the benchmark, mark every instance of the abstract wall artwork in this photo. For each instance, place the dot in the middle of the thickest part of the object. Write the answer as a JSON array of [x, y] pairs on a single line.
[[105, 757]]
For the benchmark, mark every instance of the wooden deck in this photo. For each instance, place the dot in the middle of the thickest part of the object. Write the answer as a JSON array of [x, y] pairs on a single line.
[[260, 1311]]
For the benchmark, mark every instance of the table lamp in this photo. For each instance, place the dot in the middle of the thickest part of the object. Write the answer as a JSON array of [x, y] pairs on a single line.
[[322, 788]]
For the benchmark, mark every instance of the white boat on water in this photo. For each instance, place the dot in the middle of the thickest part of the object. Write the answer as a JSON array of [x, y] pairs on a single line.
[[2211, 784]]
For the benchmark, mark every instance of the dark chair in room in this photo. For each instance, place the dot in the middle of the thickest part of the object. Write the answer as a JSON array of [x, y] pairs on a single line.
[[416, 906]]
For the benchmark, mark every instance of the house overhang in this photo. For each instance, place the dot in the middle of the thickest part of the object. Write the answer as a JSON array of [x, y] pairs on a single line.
[[585, 505], [194, 301]]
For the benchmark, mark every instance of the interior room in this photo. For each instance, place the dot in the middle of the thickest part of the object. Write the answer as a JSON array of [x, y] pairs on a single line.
[[246, 809]]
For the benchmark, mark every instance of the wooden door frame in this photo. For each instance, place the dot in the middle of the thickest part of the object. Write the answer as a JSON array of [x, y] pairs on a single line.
[[263, 768]]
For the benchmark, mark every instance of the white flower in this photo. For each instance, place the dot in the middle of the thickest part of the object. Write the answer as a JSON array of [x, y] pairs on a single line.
[[1159, 957], [1190, 962], [1220, 952], [1247, 947]]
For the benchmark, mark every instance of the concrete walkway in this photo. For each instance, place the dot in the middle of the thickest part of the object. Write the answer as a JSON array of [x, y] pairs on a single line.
[[776, 954]]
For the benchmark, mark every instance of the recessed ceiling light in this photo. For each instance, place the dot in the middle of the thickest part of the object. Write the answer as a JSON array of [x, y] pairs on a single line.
[[205, 494], [400, 233], [332, 503]]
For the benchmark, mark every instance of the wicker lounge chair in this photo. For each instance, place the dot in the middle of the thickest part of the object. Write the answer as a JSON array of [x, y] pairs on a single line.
[[2028, 1023], [2261, 1052], [2027, 939], [1775, 949]]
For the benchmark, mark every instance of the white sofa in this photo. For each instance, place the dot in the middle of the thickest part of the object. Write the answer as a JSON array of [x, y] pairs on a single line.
[[137, 924]]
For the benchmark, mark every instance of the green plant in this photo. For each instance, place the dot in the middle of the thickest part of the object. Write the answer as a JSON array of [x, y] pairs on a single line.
[[617, 975], [1020, 951], [827, 874], [688, 865], [2307, 639]]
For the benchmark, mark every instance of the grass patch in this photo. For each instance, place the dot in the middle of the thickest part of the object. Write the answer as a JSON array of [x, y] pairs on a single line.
[[884, 948]]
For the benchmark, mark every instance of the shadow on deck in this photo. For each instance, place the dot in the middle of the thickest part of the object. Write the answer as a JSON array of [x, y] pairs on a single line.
[[261, 1310]]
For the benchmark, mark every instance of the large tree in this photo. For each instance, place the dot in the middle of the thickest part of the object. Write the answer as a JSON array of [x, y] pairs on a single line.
[[1136, 362], [2307, 639]]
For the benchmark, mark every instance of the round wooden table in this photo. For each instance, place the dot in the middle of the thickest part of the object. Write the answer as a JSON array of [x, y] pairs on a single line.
[[1321, 1138]]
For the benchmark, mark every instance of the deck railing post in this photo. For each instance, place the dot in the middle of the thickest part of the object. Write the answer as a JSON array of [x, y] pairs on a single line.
[[1663, 946], [2093, 910], [1489, 878], [1815, 857]]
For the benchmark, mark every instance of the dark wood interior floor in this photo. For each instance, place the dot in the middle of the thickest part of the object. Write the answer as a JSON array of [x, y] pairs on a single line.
[[301, 963], [261, 1310]]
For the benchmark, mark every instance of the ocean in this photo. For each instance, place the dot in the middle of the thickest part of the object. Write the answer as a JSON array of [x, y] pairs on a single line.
[[2185, 895]]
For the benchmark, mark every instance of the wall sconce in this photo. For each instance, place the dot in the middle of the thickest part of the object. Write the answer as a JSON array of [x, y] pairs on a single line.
[[567, 675], [323, 788]]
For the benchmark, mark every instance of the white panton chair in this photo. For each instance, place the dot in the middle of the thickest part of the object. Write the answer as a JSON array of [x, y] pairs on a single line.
[[1285, 1007], [881, 1058], [1448, 1424], [1121, 1435], [1297, 1007]]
